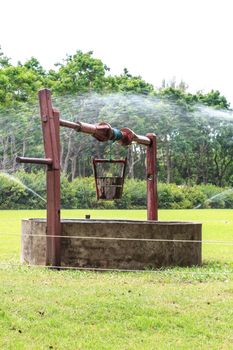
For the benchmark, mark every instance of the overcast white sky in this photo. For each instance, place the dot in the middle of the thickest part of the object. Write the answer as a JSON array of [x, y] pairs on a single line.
[[157, 39]]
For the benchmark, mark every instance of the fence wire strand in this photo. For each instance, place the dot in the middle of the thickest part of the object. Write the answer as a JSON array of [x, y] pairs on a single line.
[[222, 242]]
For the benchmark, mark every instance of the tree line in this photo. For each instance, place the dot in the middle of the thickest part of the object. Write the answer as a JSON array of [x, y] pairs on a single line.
[[195, 140]]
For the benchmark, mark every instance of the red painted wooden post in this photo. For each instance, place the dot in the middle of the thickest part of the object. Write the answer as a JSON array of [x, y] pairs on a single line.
[[151, 172], [56, 251], [51, 136]]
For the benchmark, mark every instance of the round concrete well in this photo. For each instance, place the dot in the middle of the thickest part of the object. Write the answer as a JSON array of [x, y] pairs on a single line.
[[126, 245]]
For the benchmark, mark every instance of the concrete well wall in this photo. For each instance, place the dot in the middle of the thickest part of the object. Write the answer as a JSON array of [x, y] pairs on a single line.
[[112, 253]]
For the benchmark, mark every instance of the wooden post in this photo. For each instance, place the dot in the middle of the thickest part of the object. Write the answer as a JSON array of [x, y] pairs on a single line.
[[51, 136], [151, 173]]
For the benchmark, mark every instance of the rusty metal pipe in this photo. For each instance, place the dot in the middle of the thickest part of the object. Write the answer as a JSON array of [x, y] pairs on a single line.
[[70, 125], [79, 126], [104, 132], [46, 161], [142, 140], [87, 128], [128, 136]]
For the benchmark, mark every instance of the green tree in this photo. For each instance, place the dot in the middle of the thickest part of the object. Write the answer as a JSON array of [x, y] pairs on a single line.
[[4, 60], [79, 73], [128, 83], [21, 82], [222, 147], [213, 98]]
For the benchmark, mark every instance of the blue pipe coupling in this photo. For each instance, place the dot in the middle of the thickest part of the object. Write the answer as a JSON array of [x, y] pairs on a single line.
[[117, 135]]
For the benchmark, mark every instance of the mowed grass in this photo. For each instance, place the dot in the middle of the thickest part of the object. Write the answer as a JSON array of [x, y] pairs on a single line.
[[176, 308]]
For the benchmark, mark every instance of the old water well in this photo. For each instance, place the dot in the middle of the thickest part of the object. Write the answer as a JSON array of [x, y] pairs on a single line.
[[116, 244], [103, 244]]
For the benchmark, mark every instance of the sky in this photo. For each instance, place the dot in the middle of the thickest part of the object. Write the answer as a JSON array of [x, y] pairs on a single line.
[[190, 40]]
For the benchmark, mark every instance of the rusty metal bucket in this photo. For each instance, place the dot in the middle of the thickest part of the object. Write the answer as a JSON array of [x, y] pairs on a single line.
[[109, 182]]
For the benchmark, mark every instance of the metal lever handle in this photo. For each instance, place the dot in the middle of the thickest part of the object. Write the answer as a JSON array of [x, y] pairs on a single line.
[[46, 161]]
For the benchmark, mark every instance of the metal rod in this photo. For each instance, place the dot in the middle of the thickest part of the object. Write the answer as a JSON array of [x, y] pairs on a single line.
[[79, 127], [96, 160], [46, 161], [70, 125]]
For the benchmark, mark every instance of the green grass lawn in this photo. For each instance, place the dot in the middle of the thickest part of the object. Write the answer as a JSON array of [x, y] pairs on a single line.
[[176, 308]]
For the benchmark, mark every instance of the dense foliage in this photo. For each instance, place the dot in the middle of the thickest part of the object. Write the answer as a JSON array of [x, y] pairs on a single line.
[[195, 143], [17, 193]]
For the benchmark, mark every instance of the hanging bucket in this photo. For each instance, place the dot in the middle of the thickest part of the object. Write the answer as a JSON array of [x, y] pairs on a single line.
[[109, 178]]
